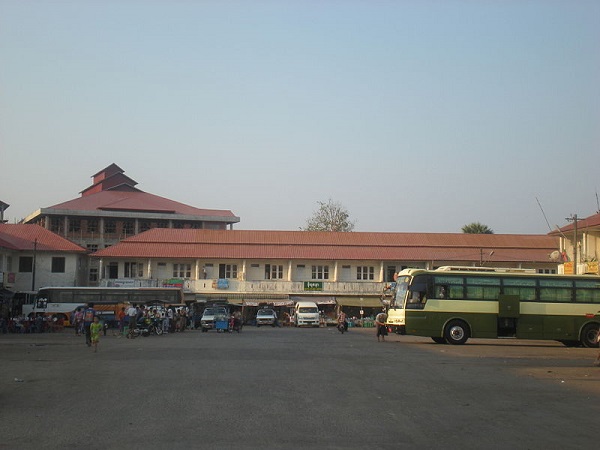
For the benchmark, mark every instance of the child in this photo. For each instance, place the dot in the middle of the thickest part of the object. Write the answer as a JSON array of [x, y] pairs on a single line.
[[95, 329]]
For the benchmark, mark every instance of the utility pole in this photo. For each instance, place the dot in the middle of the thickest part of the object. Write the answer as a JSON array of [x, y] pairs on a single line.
[[33, 268], [573, 219]]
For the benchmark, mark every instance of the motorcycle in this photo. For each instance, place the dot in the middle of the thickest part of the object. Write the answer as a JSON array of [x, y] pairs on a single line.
[[342, 327], [146, 328]]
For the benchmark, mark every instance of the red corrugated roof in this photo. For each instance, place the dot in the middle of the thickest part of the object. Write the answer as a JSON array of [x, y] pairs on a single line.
[[239, 244], [582, 225], [23, 237], [117, 200]]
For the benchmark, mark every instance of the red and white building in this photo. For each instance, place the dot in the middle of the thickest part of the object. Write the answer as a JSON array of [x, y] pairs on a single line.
[[239, 265], [113, 208], [32, 257]]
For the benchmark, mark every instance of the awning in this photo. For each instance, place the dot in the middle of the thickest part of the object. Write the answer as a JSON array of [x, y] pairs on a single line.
[[367, 302], [256, 302], [239, 299], [318, 299]]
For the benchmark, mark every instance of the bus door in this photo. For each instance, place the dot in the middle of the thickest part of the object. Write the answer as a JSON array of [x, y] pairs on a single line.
[[509, 311]]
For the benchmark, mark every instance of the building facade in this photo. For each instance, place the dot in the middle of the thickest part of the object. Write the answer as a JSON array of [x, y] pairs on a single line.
[[32, 257], [112, 209], [321, 266], [579, 246]]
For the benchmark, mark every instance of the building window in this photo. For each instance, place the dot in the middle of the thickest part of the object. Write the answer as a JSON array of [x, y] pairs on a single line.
[[25, 264], [145, 225], [92, 248], [320, 272], [128, 228], [56, 225], [110, 226], [92, 226], [93, 275], [390, 273], [365, 273], [182, 270], [228, 270], [134, 270], [74, 225], [273, 272], [112, 270], [162, 224], [58, 264]]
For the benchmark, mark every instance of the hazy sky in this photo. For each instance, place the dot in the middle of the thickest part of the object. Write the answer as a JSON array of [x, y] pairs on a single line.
[[417, 116]]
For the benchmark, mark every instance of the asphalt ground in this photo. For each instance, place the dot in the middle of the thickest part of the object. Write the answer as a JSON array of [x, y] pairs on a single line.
[[291, 388]]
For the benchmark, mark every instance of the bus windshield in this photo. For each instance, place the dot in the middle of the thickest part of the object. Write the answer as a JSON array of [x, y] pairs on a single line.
[[401, 290]]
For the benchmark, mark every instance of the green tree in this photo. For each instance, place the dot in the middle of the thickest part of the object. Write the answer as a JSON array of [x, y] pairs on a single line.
[[330, 216], [477, 228]]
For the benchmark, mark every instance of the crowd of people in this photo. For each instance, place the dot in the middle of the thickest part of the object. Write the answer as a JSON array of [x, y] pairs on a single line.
[[24, 324], [172, 320]]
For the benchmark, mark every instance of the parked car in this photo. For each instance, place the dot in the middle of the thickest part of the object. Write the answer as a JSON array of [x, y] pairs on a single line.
[[266, 316], [207, 322], [306, 313]]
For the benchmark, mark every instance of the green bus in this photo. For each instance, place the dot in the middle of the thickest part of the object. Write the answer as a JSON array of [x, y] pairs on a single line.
[[451, 306]]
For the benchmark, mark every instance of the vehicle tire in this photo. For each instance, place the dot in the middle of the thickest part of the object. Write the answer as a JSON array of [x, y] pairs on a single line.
[[456, 332], [438, 340], [257, 326], [204, 330], [589, 336]]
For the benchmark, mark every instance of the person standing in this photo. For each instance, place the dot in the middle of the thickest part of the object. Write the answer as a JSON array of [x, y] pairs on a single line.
[[131, 315], [121, 319], [380, 325], [78, 319], [88, 319], [341, 320], [95, 329]]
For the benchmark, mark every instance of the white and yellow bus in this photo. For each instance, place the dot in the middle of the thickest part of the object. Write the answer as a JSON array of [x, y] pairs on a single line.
[[451, 306], [61, 302]]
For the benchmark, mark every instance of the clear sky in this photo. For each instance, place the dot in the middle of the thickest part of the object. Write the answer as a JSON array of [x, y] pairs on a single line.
[[416, 116]]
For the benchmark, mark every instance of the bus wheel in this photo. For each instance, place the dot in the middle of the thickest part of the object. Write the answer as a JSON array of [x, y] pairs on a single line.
[[456, 332], [589, 336], [438, 340]]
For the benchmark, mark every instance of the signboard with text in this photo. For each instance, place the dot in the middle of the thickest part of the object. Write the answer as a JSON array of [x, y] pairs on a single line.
[[313, 285], [568, 268]]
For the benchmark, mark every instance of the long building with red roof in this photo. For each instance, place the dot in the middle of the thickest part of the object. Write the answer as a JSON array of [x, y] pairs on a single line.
[[244, 264]]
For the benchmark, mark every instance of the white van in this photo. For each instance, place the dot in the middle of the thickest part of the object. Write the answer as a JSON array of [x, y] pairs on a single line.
[[306, 314]]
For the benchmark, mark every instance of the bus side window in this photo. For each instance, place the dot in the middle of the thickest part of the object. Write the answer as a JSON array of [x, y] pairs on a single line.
[[441, 292], [417, 300]]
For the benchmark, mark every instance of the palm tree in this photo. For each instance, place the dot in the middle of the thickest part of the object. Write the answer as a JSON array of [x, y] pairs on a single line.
[[477, 228]]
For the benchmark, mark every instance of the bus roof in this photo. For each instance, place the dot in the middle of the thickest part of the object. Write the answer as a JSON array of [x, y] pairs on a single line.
[[484, 269], [498, 272], [91, 288]]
